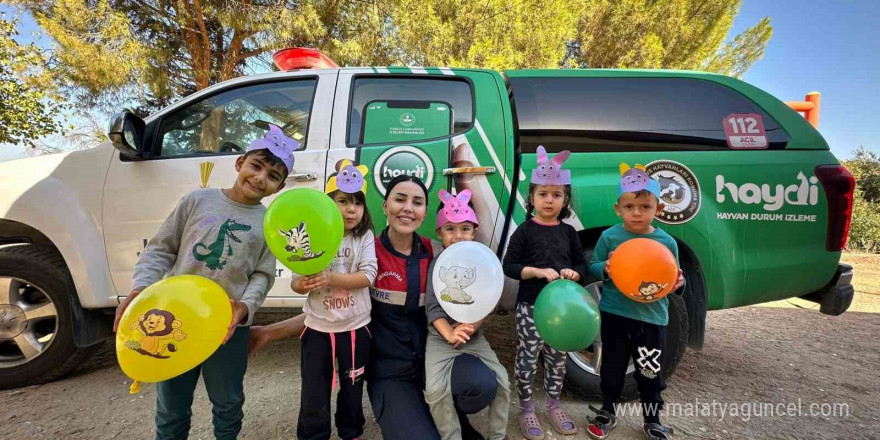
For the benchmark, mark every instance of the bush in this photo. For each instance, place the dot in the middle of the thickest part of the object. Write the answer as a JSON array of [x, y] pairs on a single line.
[[864, 233]]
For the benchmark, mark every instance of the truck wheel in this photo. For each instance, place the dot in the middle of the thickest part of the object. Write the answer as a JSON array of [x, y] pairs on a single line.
[[36, 325], [582, 368]]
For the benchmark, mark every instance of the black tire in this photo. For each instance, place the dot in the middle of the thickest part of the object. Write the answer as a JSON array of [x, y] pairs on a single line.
[[42, 275], [585, 384]]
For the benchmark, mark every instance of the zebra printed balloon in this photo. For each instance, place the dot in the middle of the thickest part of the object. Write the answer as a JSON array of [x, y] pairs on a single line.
[[303, 228]]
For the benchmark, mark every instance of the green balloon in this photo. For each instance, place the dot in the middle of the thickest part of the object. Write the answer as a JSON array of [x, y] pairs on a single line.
[[303, 228], [567, 316]]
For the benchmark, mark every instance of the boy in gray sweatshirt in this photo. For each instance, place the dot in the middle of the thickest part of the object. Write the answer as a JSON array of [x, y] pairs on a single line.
[[218, 234]]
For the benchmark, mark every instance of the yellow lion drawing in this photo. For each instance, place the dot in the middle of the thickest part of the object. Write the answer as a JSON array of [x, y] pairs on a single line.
[[157, 334]]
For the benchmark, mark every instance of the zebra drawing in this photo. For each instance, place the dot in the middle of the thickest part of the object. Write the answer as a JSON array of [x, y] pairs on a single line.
[[298, 239]]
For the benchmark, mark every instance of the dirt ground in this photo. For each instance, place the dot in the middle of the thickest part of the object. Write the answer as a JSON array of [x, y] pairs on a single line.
[[776, 357]]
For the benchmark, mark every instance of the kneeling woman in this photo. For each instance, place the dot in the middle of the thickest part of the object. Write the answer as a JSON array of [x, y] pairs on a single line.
[[396, 377]]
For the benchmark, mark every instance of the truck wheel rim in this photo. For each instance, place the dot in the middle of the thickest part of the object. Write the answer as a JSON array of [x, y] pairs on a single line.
[[590, 359], [28, 321]]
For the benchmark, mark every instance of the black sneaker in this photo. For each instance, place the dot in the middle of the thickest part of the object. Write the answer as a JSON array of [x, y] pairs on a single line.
[[656, 431]]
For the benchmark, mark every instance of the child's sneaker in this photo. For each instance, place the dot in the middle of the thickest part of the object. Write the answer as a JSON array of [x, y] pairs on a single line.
[[656, 431], [601, 425]]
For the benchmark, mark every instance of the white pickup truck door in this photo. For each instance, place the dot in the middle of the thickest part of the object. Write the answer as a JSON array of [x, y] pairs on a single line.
[[184, 140]]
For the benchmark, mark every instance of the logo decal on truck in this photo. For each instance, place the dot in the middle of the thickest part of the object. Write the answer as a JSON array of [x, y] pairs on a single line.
[[679, 191], [771, 198], [402, 161]]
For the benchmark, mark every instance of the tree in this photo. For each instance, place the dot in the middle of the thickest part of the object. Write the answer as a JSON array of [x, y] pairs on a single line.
[[865, 167], [864, 233], [28, 111], [670, 34], [152, 52], [494, 34]]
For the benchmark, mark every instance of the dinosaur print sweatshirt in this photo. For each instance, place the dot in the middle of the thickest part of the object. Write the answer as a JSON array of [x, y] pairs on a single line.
[[210, 235]]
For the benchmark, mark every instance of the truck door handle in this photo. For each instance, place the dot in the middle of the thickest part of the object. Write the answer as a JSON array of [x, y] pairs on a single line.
[[468, 170], [303, 177]]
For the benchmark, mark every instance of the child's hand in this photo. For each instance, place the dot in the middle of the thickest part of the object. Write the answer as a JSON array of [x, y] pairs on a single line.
[[568, 274], [459, 335], [258, 339], [239, 312], [679, 282], [548, 274], [317, 281], [120, 309], [608, 266], [467, 329], [296, 285]]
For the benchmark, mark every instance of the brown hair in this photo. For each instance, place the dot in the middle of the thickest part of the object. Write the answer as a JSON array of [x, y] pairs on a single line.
[[643, 193], [267, 156], [366, 223], [564, 213]]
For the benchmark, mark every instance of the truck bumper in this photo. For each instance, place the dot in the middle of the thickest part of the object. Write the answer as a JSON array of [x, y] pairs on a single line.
[[836, 297]]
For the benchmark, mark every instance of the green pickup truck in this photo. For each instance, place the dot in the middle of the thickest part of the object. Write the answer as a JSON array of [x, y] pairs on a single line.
[[758, 204]]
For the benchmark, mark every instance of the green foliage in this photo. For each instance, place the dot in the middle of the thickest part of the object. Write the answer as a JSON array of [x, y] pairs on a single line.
[[29, 110], [670, 34], [864, 233], [865, 167], [156, 51]]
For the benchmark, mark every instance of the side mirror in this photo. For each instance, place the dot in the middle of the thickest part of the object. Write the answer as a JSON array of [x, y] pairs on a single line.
[[126, 133]]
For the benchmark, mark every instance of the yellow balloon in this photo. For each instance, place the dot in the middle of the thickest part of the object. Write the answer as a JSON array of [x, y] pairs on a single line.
[[171, 327]]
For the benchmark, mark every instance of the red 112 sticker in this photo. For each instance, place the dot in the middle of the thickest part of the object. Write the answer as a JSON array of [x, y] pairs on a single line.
[[745, 131]]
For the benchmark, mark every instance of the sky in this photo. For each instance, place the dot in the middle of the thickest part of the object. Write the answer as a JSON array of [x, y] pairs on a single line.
[[832, 47]]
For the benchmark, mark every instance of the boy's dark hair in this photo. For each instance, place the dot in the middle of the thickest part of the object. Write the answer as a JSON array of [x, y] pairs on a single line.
[[642, 193], [268, 157], [564, 213], [406, 178], [366, 223]]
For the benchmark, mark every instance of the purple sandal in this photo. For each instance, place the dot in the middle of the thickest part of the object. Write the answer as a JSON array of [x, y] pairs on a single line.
[[561, 422], [530, 426]]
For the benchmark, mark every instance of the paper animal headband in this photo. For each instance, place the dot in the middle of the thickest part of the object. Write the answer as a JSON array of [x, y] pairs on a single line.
[[549, 171], [278, 144], [350, 179], [633, 180], [455, 209]]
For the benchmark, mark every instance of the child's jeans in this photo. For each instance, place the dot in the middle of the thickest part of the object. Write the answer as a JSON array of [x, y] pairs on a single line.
[[223, 374], [645, 343]]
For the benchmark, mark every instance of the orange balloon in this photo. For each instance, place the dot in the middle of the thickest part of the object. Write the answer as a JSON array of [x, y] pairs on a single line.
[[644, 270]]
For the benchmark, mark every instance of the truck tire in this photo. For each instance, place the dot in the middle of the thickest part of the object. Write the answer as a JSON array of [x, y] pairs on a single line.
[[36, 324], [582, 380]]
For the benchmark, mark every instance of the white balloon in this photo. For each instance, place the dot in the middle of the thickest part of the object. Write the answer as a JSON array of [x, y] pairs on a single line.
[[467, 281]]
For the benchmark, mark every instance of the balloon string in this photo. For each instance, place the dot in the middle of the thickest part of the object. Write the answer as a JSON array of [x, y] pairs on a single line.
[[134, 388]]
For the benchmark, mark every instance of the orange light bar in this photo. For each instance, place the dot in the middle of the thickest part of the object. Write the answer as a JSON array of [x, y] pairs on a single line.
[[809, 107], [294, 58]]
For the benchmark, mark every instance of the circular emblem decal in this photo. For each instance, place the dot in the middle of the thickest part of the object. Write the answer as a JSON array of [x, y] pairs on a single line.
[[679, 191], [407, 119], [399, 161]]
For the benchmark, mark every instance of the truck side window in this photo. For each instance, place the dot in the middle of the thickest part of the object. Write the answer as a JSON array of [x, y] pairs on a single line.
[[455, 92], [226, 123], [629, 114]]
